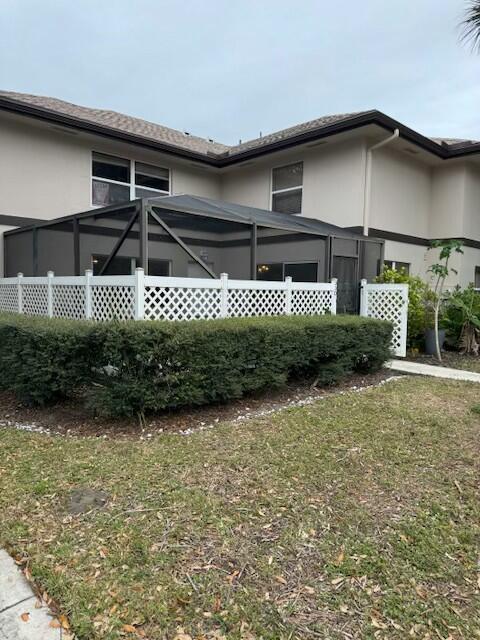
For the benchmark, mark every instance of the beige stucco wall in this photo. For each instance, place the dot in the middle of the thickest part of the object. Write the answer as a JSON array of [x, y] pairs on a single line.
[[45, 173], [448, 201], [415, 255], [400, 193], [332, 181], [472, 202]]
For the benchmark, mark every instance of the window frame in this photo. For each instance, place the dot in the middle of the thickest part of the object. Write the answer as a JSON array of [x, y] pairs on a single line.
[[132, 184], [288, 189], [394, 264]]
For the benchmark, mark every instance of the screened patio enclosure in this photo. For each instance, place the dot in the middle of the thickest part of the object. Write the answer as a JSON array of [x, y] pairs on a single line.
[[191, 236]]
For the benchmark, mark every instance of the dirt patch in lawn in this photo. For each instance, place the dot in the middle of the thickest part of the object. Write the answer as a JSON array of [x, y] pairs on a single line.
[[70, 418]]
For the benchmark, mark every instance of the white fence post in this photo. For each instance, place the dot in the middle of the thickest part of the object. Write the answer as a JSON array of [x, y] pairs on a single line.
[[19, 292], [363, 298], [333, 304], [50, 275], [224, 295], [288, 295], [88, 294], [139, 293]]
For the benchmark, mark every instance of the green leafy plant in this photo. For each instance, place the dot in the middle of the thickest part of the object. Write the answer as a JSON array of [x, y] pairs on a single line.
[[420, 298], [440, 271], [132, 368], [462, 319]]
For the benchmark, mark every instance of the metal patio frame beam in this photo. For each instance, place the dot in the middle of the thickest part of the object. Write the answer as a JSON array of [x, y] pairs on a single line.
[[253, 252], [119, 242], [180, 242], [76, 246], [143, 236]]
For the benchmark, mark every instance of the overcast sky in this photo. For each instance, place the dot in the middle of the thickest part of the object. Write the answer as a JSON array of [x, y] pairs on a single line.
[[228, 69]]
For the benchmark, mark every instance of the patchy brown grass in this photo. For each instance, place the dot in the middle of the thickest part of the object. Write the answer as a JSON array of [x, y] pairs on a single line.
[[355, 517]]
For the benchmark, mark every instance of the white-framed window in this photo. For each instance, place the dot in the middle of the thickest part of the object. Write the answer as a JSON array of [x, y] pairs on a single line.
[[116, 180], [287, 188], [397, 265]]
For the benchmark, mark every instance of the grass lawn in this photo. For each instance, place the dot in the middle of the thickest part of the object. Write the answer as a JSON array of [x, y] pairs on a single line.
[[355, 517]]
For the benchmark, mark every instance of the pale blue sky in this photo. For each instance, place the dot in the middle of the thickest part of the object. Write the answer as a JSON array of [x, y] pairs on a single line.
[[228, 69]]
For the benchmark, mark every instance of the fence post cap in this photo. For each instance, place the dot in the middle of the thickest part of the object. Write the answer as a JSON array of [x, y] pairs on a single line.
[[363, 282], [19, 274], [89, 272], [334, 280], [224, 276], [50, 274], [288, 279], [138, 269]]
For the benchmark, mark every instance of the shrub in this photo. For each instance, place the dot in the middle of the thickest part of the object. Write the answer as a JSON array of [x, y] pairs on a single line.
[[420, 303], [137, 367], [461, 319]]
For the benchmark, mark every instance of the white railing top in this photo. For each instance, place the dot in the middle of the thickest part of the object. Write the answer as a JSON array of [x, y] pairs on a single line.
[[170, 281]]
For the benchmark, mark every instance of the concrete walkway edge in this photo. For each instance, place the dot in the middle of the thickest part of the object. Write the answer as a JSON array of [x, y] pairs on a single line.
[[420, 369], [22, 615]]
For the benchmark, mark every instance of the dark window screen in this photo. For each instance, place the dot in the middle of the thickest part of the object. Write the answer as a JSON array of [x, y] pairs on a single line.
[[345, 270], [272, 271], [119, 266], [302, 271]]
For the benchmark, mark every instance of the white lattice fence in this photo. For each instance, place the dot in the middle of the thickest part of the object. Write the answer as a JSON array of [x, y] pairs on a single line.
[[196, 298], [387, 302], [9, 296], [138, 297]]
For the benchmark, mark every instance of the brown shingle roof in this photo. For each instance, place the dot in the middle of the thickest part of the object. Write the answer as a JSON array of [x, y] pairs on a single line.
[[121, 122], [159, 133], [112, 123], [291, 132]]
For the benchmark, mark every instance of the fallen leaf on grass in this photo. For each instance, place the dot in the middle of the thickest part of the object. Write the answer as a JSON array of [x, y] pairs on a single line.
[[340, 558], [280, 579], [338, 580], [129, 628], [377, 624], [55, 624], [181, 635]]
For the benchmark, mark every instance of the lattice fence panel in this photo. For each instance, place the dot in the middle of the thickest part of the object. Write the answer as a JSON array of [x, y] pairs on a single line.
[[392, 305], [311, 302], [68, 301], [35, 299], [181, 303], [115, 302], [253, 302], [9, 297]]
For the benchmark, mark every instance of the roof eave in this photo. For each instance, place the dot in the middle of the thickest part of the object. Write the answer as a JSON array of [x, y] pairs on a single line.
[[107, 132], [223, 160]]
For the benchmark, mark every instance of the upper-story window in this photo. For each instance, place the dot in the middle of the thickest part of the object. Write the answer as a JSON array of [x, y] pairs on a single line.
[[287, 187], [116, 180]]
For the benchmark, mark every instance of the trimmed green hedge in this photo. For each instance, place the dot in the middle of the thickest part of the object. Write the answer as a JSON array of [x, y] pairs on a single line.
[[137, 367]]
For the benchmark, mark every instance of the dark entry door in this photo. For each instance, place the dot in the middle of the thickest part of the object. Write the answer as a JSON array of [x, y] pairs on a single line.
[[345, 269]]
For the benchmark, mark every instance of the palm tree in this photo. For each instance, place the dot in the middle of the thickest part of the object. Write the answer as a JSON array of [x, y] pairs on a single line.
[[471, 25]]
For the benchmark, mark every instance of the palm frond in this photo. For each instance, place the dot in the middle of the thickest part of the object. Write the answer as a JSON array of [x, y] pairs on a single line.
[[471, 25]]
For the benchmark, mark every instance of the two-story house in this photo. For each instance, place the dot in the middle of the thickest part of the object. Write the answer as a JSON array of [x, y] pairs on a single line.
[[363, 172]]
